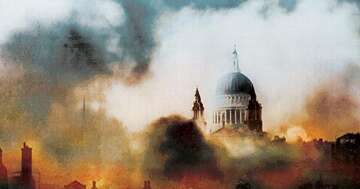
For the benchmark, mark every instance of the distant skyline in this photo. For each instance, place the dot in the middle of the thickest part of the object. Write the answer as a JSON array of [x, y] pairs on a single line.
[[96, 86]]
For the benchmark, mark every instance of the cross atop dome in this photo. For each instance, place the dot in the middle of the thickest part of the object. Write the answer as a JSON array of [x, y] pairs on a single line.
[[236, 60]]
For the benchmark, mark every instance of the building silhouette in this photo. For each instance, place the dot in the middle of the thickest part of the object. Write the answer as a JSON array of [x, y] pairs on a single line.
[[243, 185], [147, 184], [198, 112], [3, 173], [75, 185], [24, 179], [198, 107], [26, 162], [27, 179], [339, 157], [236, 107], [278, 140], [94, 185], [347, 148], [318, 184]]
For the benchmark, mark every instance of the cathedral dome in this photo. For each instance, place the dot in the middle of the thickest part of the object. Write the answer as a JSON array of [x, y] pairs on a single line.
[[235, 83]]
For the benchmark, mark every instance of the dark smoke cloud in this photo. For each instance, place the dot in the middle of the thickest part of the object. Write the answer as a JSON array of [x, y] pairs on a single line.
[[67, 54], [54, 62], [138, 41], [175, 150], [289, 5], [178, 149], [203, 4]]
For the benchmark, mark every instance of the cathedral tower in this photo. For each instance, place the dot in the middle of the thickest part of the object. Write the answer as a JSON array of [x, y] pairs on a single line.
[[236, 105], [198, 107]]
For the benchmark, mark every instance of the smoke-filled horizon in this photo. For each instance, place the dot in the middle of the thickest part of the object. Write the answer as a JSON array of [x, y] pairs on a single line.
[[137, 58], [149, 64], [83, 81]]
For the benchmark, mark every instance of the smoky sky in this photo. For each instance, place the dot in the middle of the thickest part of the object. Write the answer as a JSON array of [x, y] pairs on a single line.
[[63, 54], [60, 55], [136, 32], [66, 54], [41, 46], [290, 5]]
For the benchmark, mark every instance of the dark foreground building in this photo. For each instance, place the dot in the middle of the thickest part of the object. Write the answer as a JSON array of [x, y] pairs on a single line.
[[3, 174], [75, 185], [243, 185], [147, 184], [347, 149], [24, 179]]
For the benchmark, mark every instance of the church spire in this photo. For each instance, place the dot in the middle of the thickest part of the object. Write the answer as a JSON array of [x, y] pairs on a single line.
[[236, 60], [198, 107]]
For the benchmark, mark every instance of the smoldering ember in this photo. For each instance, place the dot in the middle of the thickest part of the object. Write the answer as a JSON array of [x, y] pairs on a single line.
[[193, 94]]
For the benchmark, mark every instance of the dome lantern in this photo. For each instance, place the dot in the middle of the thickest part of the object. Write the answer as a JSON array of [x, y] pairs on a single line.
[[236, 60]]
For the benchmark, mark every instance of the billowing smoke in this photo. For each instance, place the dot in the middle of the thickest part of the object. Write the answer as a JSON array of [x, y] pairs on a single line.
[[332, 109], [57, 59], [50, 66], [177, 149], [178, 154], [128, 39], [56, 54]]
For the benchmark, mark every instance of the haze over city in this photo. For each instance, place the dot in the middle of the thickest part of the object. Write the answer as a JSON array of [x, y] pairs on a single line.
[[122, 91]]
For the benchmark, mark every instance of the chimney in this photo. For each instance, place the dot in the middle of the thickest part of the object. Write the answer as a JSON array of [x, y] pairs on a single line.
[[93, 185], [26, 161], [147, 184]]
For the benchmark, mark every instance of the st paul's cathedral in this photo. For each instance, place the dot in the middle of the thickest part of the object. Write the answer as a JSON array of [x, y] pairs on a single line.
[[236, 105]]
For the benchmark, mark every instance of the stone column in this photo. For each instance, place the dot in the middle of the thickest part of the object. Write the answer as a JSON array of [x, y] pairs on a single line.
[[218, 117], [241, 116], [235, 119], [230, 121], [213, 117]]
